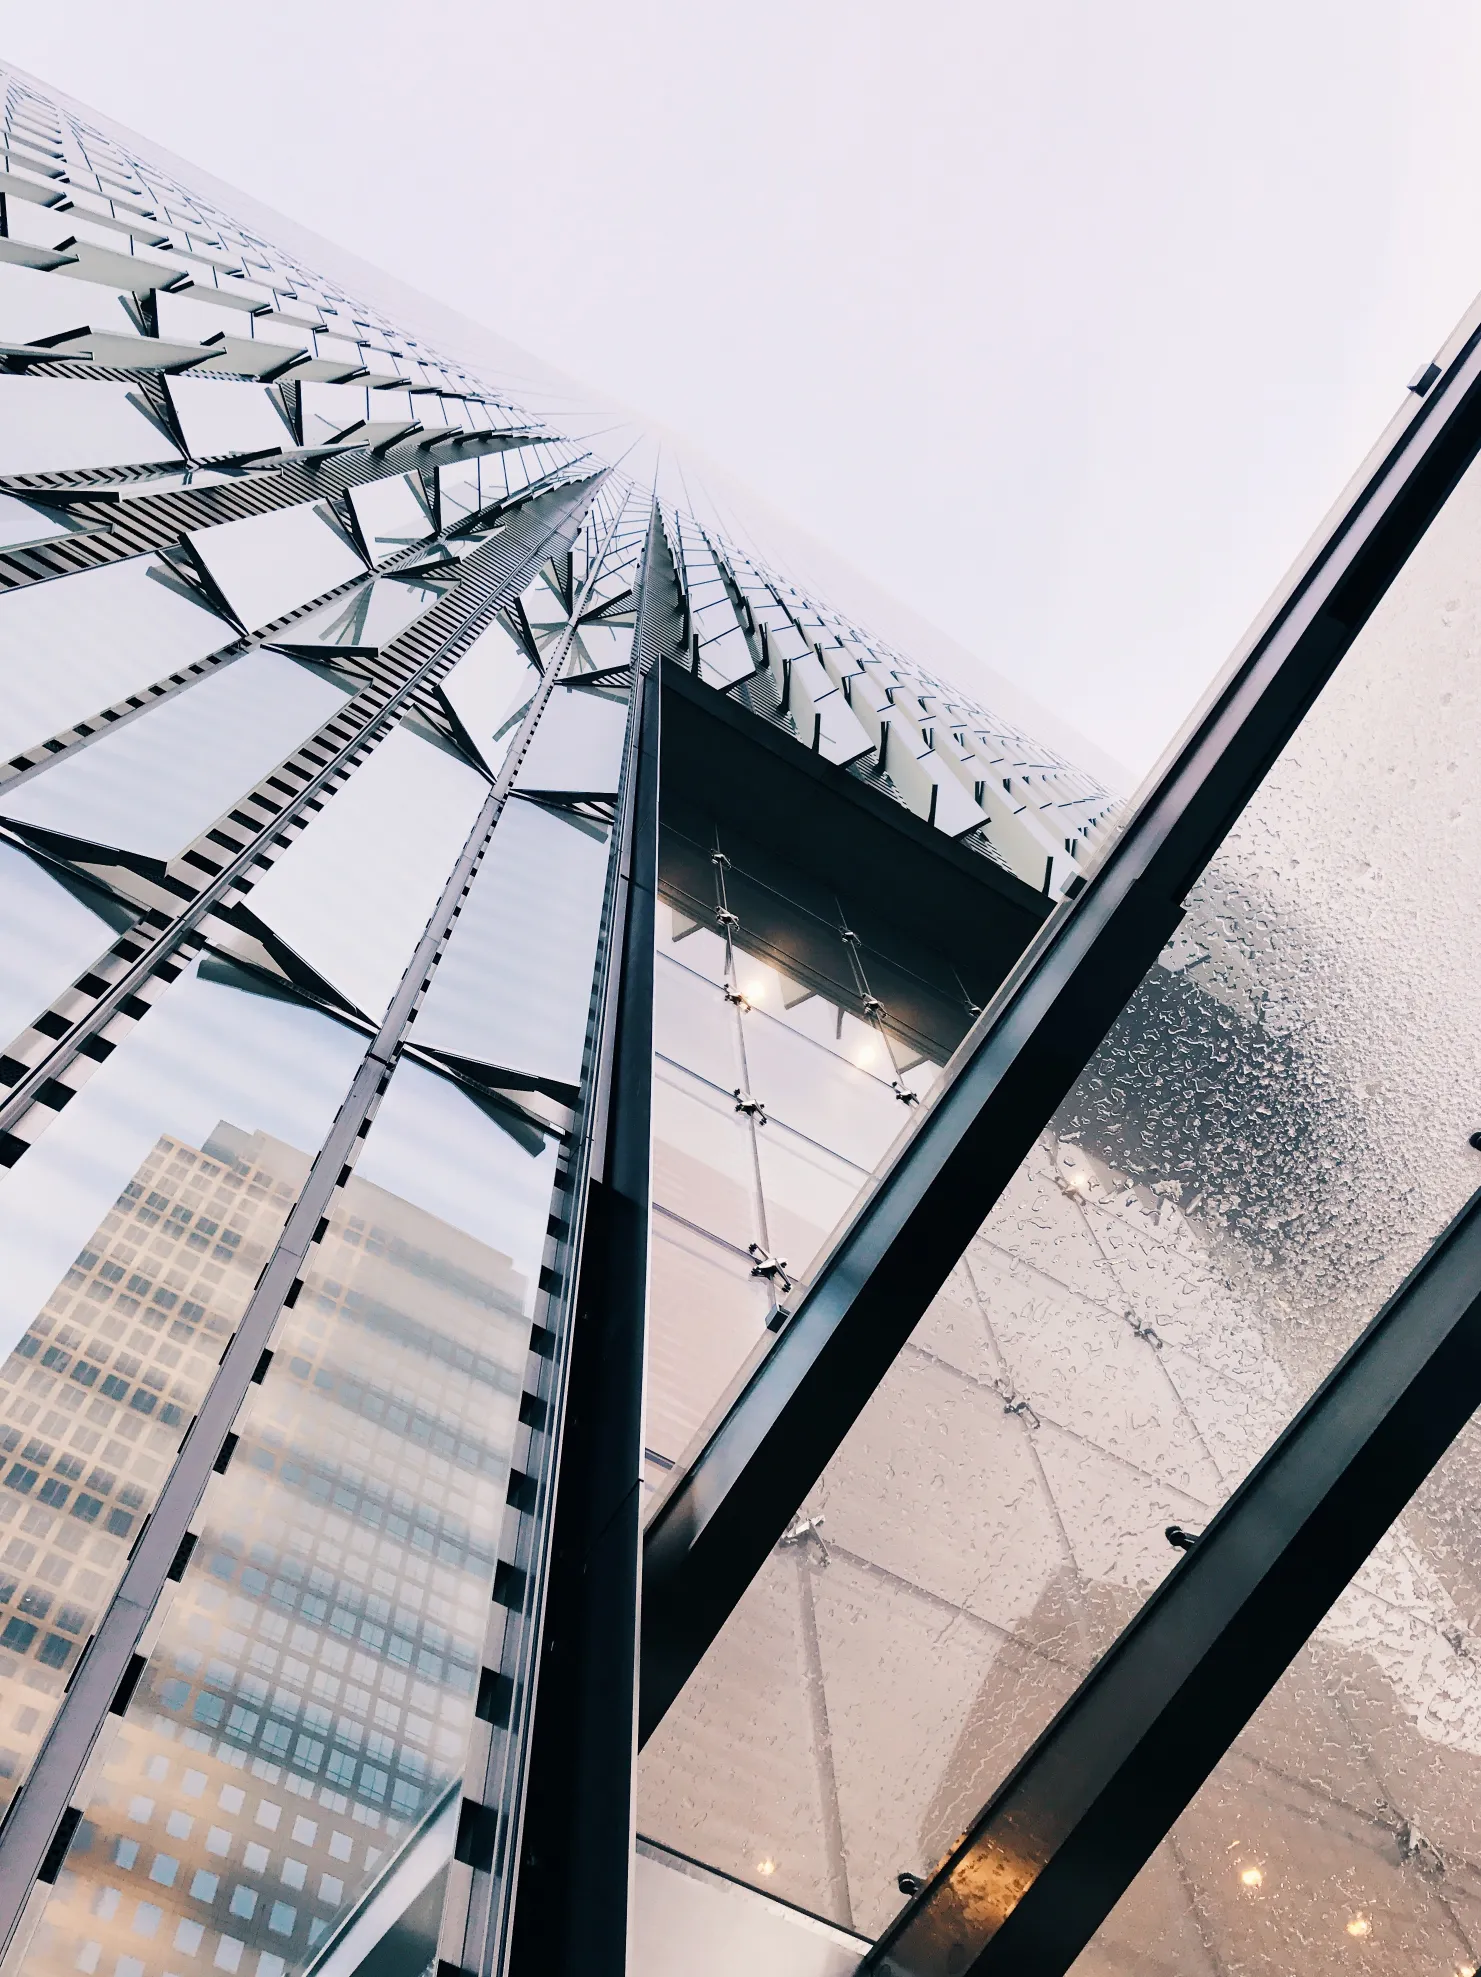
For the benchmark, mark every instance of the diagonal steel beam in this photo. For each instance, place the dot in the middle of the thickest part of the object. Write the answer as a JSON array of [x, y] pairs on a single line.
[[1062, 1839], [726, 1508]]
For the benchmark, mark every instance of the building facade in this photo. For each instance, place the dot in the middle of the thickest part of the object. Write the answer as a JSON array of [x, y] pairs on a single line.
[[542, 1059]]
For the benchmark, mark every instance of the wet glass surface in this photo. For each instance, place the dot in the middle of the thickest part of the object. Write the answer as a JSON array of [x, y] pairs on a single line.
[[765, 1130], [353, 895], [1342, 1831], [268, 565], [1272, 1134], [513, 988], [307, 1708], [157, 782], [133, 1234], [74, 646]]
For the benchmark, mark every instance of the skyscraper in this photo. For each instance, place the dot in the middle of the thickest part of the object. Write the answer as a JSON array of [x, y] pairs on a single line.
[[544, 1062]]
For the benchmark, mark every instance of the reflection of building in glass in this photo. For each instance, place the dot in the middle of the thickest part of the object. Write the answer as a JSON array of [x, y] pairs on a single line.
[[297, 604], [309, 1699], [97, 1395]]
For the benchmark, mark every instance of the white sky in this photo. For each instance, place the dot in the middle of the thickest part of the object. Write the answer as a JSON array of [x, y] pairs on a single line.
[[1063, 323]]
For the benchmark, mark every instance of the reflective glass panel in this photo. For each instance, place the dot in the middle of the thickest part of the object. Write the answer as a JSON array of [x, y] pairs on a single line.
[[391, 515], [219, 417], [807, 1191], [327, 410], [354, 894], [686, 1919], [543, 604], [367, 619], [267, 565], [707, 1315], [306, 1711], [33, 305], [49, 933], [22, 523], [457, 489], [489, 692], [155, 783], [605, 646], [54, 425], [1270, 1137], [513, 988], [704, 1162], [694, 1024], [133, 1232], [577, 747], [74, 646], [191, 318], [1342, 1831]]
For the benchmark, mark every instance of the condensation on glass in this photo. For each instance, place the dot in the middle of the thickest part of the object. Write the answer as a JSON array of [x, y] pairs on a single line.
[[1342, 1830], [1269, 1139]]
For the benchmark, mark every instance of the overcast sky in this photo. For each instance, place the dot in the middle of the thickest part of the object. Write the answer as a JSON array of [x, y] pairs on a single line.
[[1064, 323]]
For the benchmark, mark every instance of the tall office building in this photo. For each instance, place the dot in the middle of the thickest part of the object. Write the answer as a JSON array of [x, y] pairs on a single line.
[[543, 1059]]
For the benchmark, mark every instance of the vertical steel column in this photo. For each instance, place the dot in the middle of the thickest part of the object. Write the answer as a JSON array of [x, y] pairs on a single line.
[[571, 1896]]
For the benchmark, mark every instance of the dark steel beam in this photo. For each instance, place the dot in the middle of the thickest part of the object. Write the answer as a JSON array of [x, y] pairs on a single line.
[[1062, 1839], [725, 1510], [575, 1856]]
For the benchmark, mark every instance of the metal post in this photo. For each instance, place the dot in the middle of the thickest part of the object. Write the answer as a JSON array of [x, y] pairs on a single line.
[[571, 1900]]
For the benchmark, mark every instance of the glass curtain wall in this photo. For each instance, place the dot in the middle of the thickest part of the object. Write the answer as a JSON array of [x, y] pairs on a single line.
[[285, 599], [1272, 1135], [781, 1078], [318, 657]]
